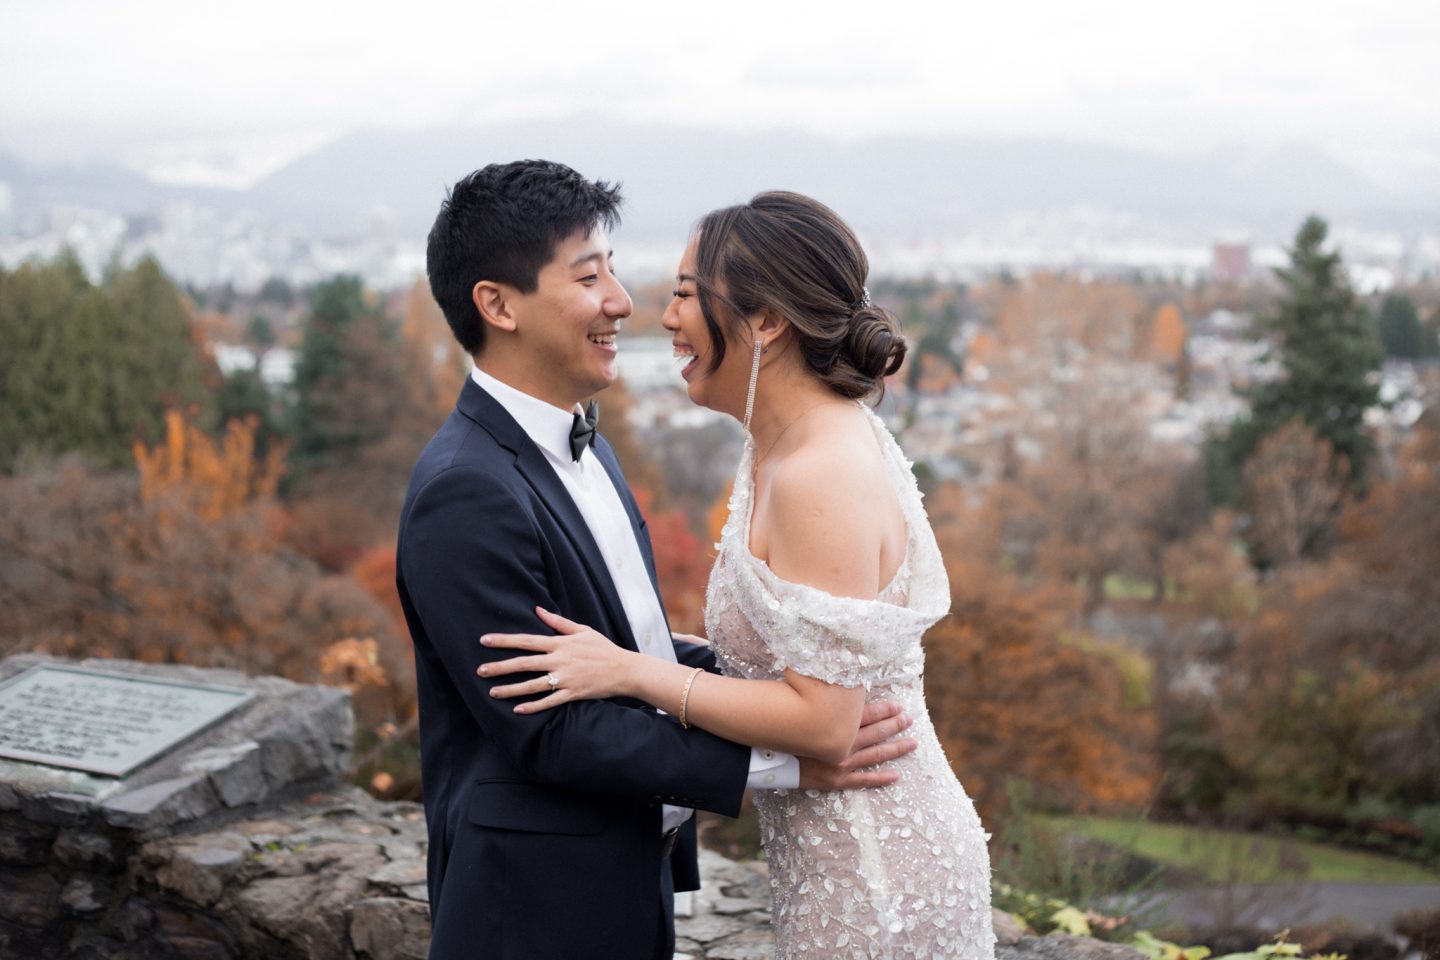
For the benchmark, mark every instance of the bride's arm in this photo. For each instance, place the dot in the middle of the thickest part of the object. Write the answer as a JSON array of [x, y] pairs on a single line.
[[831, 542], [798, 715], [820, 527]]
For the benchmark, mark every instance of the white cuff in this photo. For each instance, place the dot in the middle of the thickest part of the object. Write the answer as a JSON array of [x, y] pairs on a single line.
[[672, 817], [772, 770]]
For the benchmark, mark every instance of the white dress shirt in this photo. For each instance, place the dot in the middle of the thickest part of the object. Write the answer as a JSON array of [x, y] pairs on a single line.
[[595, 495]]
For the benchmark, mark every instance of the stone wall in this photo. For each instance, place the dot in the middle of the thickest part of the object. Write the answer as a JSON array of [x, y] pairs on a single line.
[[243, 845], [338, 875], [79, 874]]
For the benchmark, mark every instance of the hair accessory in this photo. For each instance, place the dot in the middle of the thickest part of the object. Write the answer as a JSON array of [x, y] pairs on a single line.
[[685, 696], [754, 379], [865, 296]]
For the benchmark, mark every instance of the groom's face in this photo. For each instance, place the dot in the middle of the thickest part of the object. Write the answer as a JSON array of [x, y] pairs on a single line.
[[568, 327]]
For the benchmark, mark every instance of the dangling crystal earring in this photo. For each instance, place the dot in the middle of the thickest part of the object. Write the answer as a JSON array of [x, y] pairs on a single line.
[[754, 378]]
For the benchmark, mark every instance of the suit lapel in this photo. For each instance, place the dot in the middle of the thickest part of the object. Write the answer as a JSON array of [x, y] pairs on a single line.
[[531, 464]]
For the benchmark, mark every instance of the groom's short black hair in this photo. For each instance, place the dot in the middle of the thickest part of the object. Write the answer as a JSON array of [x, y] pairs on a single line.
[[502, 223]]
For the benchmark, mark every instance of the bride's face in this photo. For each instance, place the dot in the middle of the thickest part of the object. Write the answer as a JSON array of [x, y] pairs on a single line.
[[723, 388]]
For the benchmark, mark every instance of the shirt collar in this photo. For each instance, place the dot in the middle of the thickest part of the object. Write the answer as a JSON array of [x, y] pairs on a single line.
[[545, 424]]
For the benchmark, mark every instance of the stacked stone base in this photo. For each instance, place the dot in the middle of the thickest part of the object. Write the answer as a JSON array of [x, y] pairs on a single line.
[[240, 845], [333, 876], [336, 875], [730, 920]]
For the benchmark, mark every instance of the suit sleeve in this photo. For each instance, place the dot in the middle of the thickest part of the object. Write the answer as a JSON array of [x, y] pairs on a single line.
[[473, 561], [695, 655]]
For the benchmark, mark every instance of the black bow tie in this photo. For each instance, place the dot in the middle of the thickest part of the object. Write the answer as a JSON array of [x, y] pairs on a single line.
[[582, 430]]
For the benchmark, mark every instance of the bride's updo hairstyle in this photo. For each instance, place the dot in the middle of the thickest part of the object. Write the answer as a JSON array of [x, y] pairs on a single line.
[[793, 255]]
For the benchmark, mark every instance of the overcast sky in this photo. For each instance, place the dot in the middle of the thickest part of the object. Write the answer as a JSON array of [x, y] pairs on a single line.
[[200, 92]]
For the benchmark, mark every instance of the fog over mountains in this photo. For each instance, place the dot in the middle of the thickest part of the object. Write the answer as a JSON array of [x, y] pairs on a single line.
[[901, 189]]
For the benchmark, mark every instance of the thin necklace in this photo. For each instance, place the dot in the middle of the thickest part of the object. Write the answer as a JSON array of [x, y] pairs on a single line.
[[798, 417]]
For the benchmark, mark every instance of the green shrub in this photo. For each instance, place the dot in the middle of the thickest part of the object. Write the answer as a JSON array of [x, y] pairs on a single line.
[[1040, 870], [1427, 818], [1369, 808]]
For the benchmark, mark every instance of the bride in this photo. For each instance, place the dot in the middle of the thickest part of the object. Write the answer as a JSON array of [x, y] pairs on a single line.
[[827, 576]]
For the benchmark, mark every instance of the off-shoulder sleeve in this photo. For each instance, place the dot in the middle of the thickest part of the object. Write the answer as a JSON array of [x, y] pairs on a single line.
[[839, 640]]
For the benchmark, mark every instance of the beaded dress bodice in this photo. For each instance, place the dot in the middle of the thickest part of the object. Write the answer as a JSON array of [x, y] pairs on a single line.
[[896, 871]]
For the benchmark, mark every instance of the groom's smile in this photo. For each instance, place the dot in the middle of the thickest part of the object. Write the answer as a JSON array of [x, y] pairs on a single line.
[[567, 328]]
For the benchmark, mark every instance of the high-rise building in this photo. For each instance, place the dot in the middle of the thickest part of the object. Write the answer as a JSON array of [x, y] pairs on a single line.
[[1230, 261]]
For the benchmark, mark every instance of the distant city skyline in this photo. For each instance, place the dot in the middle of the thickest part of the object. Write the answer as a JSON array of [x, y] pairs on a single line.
[[176, 91]]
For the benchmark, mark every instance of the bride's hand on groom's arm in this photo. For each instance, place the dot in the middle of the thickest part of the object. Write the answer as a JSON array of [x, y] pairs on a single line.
[[583, 664], [876, 742]]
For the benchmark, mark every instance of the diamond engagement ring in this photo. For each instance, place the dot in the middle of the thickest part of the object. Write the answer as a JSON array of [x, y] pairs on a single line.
[[554, 684]]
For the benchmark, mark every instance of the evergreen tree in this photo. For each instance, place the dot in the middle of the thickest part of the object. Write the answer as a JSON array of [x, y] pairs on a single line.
[[930, 336], [913, 321], [362, 399], [1400, 330], [151, 353], [364, 409], [277, 290], [337, 330], [243, 395], [90, 368], [1327, 350], [940, 336], [261, 334]]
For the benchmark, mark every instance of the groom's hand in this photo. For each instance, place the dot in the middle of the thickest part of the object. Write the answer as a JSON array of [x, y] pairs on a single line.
[[875, 743]]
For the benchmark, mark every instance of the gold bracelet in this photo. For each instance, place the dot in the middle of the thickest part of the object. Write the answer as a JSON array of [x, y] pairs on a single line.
[[685, 695]]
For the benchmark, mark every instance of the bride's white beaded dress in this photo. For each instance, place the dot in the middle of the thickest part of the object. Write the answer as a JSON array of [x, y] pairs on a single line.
[[891, 872]]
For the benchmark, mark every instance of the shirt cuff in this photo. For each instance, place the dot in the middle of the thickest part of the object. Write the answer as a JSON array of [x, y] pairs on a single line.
[[772, 770]]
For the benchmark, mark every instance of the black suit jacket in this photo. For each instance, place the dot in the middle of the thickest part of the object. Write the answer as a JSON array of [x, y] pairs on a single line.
[[544, 829]]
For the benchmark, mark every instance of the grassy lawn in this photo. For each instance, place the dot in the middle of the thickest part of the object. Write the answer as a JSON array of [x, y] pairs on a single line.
[[1120, 586], [1228, 855]]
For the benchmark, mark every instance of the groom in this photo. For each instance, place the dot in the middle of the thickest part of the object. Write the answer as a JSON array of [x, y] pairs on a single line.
[[560, 834]]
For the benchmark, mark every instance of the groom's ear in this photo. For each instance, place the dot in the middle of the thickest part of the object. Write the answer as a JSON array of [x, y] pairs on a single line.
[[492, 300]]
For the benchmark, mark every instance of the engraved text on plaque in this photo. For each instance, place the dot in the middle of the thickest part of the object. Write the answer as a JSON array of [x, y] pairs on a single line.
[[100, 722]]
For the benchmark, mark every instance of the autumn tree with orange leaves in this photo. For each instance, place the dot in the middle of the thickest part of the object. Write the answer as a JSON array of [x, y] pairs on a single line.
[[1294, 487], [1100, 496], [225, 477], [1014, 697], [178, 564], [1168, 334], [682, 566], [432, 349], [1076, 372], [1334, 698]]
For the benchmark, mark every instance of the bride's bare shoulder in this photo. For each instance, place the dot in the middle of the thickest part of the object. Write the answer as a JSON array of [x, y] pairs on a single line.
[[840, 455], [823, 528]]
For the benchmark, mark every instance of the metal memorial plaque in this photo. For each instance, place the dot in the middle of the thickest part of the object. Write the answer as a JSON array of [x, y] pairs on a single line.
[[101, 722]]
